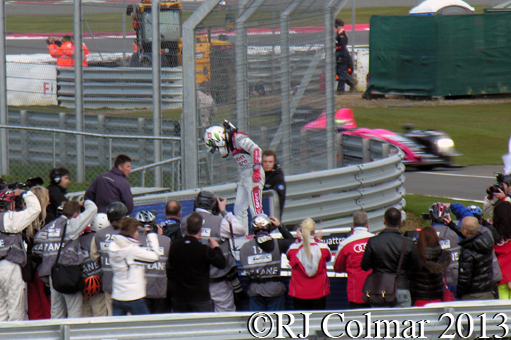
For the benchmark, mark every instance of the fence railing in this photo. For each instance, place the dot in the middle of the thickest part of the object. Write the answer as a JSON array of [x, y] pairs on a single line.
[[33, 151], [456, 320]]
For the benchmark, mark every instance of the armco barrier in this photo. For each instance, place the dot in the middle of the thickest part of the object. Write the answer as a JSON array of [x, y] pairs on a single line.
[[120, 87], [454, 320], [329, 196]]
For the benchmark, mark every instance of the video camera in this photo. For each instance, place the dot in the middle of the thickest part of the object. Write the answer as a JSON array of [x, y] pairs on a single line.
[[29, 183]]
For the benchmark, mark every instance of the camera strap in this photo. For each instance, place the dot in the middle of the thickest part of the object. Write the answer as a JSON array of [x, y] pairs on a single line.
[[233, 245]]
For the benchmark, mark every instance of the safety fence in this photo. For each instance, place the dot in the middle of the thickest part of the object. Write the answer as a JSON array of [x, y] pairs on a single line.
[[454, 320], [330, 196]]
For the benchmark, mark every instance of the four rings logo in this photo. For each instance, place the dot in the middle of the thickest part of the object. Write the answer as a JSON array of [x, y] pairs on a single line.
[[360, 247]]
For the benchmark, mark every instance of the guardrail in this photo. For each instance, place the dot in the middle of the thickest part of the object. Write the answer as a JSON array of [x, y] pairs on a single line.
[[454, 320], [120, 87], [330, 196]]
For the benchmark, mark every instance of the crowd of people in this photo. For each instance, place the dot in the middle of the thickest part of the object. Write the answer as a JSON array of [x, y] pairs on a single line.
[[62, 258]]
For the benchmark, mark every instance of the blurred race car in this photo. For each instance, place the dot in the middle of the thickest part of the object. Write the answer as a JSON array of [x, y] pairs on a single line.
[[422, 148]]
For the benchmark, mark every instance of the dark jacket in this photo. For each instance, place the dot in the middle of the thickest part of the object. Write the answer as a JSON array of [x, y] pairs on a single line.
[[57, 196], [382, 255], [110, 187], [172, 229], [476, 272], [427, 282], [188, 268], [275, 181]]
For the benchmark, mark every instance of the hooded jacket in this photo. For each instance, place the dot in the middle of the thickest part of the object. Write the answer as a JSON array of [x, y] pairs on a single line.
[[57, 197], [309, 279], [476, 272], [427, 282], [128, 260]]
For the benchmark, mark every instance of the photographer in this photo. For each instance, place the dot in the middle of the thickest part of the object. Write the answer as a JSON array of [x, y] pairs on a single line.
[[220, 225], [156, 275], [497, 193], [128, 260], [189, 266], [438, 213], [12, 253], [260, 259]]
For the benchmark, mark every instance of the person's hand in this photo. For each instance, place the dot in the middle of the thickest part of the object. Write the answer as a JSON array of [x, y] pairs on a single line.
[[447, 219], [256, 175], [222, 203], [500, 195], [213, 243], [275, 221], [159, 229], [18, 192]]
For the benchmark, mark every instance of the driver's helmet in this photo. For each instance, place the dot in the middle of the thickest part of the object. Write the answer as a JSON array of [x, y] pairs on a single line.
[[437, 212], [476, 211], [100, 222], [145, 217], [261, 222], [214, 138]]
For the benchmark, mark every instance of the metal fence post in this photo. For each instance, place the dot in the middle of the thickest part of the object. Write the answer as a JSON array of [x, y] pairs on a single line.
[[24, 137], [285, 85], [329, 83], [189, 121], [156, 56], [80, 147], [366, 150], [101, 141], [142, 145], [4, 139], [385, 147], [242, 62], [62, 139]]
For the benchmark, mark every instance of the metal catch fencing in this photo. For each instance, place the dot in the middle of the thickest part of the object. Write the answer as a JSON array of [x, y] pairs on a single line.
[[36, 146], [455, 320]]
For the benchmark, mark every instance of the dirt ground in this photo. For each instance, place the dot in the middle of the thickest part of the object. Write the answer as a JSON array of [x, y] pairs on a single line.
[[356, 100]]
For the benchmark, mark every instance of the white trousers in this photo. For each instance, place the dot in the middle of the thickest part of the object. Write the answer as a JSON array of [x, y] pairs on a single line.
[[65, 305], [95, 306], [222, 296], [12, 292], [249, 195]]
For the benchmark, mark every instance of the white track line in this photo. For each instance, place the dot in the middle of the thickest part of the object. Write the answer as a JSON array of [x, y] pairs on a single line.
[[453, 175]]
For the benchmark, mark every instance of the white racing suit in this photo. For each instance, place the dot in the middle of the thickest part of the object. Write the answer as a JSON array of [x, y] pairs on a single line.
[[250, 186]]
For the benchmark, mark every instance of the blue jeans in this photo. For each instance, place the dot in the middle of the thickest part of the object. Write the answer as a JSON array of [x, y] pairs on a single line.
[[135, 307], [263, 304]]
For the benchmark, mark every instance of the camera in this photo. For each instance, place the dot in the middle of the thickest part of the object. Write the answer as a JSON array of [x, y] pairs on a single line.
[[495, 188], [29, 183]]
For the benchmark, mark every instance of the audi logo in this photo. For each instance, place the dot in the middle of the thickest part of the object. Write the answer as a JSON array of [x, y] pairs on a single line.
[[359, 248]]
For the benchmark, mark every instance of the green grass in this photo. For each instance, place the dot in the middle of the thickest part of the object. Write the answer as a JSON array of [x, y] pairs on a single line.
[[112, 22], [480, 132]]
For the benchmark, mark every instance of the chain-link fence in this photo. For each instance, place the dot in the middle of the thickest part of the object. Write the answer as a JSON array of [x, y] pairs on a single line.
[[259, 64], [117, 100], [264, 66]]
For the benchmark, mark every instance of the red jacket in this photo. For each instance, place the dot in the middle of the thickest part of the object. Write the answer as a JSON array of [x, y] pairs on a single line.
[[349, 256], [309, 279], [503, 252]]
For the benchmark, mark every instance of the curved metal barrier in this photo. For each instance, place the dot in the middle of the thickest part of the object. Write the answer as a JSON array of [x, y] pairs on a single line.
[[455, 320]]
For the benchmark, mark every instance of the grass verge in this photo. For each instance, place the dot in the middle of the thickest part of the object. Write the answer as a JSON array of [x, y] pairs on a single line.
[[480, 132]]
